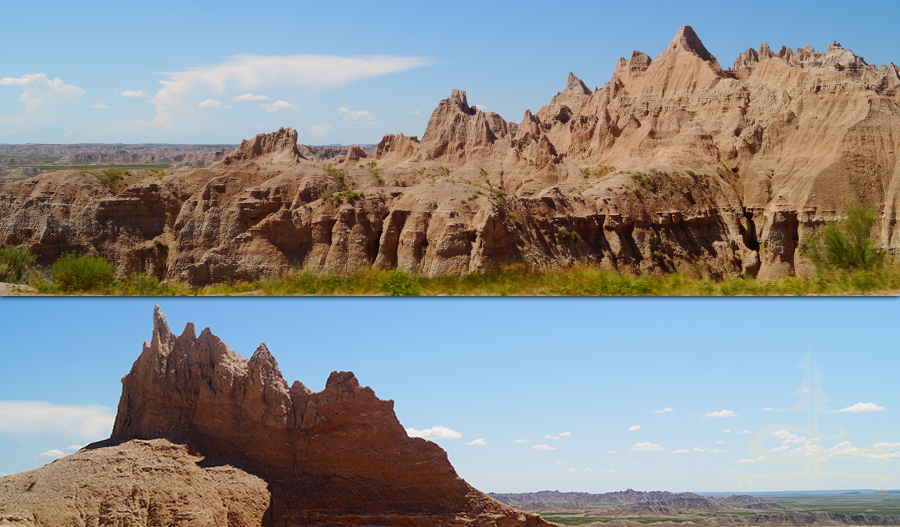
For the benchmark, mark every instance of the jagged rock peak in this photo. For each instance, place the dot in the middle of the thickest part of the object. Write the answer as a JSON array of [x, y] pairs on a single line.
[[639, 60], [284, 140], [575, 84], [688, 41], [458, 98]]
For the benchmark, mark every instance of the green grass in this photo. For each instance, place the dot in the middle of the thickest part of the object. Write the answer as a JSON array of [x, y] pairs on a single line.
[[844, 503], [517, 280], [55, 168]]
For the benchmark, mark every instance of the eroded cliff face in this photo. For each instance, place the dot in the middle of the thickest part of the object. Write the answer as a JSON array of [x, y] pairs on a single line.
[[675, 164], [260, 451]]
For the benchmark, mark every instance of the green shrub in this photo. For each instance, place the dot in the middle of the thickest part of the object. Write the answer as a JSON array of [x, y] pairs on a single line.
[[845, 245], [16, 264], [399, 283], [73, 273], [338, 176]]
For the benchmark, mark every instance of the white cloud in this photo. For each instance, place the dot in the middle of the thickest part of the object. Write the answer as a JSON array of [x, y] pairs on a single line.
[[613, 452], [634, 428], [100, 106], [250, 97], [415, 112], [647, 447], [862, 407], [664, 410], [745, 431], [726, 431], [685, 451], [280, 106], [49, 455], [766, 409], [565, 434], [890, 446], [91, 422], [136, 94], [318, 131], [717, 451], [520, 441], [249, 72], [746, 461], [355, 115], [588, 470], [477, 442], [39, 92], [787, 437], [435, 432], [721, 413], [609, 470], [720, 442], [556, 438], [74, 447], [543, 448], [570, 470], [212, 103], [480, 107]]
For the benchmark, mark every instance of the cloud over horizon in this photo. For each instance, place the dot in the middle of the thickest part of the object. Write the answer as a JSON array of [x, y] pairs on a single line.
[[87, 421], [435, 432], [248, 72]]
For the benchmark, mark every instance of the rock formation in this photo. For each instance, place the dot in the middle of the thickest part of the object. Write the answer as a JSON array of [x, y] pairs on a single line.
[[207, 436], [674, 164]]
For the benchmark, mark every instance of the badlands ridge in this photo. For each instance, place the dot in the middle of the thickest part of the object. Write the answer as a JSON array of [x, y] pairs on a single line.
[[673, 164], [206, 437]]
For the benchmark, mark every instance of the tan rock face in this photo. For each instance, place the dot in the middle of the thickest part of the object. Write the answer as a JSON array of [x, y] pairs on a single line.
[[674, 164], [204, 433]]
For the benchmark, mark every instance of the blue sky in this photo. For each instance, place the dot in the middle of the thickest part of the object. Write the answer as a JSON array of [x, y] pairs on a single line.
[[349, 72], [584, 395]]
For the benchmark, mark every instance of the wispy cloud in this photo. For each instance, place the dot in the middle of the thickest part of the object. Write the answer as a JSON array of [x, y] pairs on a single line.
[[647, 447], [250, 97], [90, 422], [634, 428], [415, 112], [250, 72], [862, 407], [745, 431], [435, 432], [721, 413], [136, 94], [556, 438], [39, 92], [520, 441], [543, 448], [717, 451], [318, 131], [212, 103], [613, 452], [477, 442], [355, 115], [99, 106], [746, 461], [766, 409], [664, 410], [280, 106], [686, 451], [726, 431], [49, 455]]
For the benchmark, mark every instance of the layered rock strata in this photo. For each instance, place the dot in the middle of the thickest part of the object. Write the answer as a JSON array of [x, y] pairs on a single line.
[[674, 164], [262, 452]]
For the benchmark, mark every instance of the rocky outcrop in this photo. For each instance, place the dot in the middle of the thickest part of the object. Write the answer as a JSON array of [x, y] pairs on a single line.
[[264, 452], [673, 165]]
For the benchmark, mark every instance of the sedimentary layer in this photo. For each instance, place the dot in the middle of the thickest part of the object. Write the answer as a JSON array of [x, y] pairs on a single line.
[[204, 436], [674, 164]]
